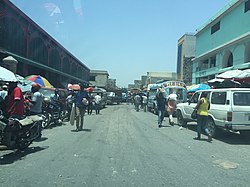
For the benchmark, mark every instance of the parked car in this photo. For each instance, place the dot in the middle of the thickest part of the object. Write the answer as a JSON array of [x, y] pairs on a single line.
[[229, 109]]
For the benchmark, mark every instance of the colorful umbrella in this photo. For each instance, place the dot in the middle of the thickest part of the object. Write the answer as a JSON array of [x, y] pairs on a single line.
[[39, 80]]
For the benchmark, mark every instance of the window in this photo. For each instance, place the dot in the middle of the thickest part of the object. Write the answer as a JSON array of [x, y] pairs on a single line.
[[195, 98], [212, 61], [219, 98], [241, 99], [215, 27], [247, 5]]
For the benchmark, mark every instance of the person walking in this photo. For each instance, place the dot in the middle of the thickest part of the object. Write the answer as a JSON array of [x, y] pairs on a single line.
[[137, 101], [202, 107], [91, 104], [82, 98], [144, 102], [172, 98], [161, 106], [98, 99]]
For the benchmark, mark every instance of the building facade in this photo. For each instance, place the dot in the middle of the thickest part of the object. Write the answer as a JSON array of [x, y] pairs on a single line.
[[223, 43], [186, 51], [35, 50], [99, 78], [153, 77]]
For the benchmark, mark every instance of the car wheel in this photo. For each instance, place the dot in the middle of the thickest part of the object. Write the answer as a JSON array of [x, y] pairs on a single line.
[[180, 120], [211, 127]]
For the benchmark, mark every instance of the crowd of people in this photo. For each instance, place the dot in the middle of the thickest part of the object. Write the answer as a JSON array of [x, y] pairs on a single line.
[[15, 105], [168, 104]]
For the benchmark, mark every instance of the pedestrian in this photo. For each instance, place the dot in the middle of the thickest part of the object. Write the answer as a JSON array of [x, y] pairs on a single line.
[[202, 107], [161, 106], [144, 102], [98, 99], [137, 102], [15, 101], [172, 98], [82, 99], [69, 102], [36, 103], [91, 104]]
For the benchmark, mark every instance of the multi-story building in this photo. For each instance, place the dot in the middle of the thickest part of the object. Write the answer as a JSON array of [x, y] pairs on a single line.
[[223, 43], [186, 51], [35, 50], [153, 77], [98, 78]]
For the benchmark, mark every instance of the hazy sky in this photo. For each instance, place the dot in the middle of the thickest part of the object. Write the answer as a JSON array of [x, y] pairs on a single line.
[[128, 38]]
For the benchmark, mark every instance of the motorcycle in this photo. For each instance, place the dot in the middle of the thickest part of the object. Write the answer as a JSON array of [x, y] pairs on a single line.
[[51, 114], [19, 134]]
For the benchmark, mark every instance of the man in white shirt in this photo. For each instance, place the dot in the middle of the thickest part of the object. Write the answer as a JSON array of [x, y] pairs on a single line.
[[36, 103], [97, 99]]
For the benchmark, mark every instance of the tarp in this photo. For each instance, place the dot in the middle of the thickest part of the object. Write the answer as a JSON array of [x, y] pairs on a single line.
[[199, 87]]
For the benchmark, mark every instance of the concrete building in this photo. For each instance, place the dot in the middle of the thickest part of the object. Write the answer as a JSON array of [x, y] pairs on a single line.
[[111, 85], [153, 77], [138, 84], [98, 78], [186, 51], [35, 50], [223, 43]]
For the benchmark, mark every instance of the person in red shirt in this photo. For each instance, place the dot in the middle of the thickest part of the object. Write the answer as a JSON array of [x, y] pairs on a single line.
[[15, 105]]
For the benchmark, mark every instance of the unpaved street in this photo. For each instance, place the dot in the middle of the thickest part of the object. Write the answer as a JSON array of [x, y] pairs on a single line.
[[122, 147]]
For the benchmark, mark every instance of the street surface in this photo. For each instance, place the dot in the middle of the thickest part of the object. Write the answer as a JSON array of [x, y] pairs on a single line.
[[122, 147]]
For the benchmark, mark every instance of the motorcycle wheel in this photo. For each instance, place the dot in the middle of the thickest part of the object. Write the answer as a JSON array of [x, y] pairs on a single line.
[[22, 144], [46, 120]]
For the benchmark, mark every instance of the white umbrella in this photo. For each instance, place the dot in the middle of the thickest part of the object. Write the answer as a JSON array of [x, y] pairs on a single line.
[[244, 74], [215, 80], [229, 74], [7, 75]]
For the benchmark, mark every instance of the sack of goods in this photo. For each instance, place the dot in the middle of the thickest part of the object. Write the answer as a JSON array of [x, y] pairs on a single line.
[[85, 101]]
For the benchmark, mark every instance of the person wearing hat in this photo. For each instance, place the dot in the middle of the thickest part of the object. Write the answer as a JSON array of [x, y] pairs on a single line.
[[36, 103], [82, 99]]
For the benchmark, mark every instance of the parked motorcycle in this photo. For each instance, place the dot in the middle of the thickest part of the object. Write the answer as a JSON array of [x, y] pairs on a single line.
[[19, 134], [51, 114]]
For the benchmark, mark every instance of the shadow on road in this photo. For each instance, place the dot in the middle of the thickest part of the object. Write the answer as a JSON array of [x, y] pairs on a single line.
[[229, 137], [16, 155], [86, 130]]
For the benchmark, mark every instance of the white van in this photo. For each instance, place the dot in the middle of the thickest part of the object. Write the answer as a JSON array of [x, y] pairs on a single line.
[[229, 109]]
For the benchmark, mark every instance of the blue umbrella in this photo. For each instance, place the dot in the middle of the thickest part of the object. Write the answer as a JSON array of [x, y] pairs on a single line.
[[199, 87]]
